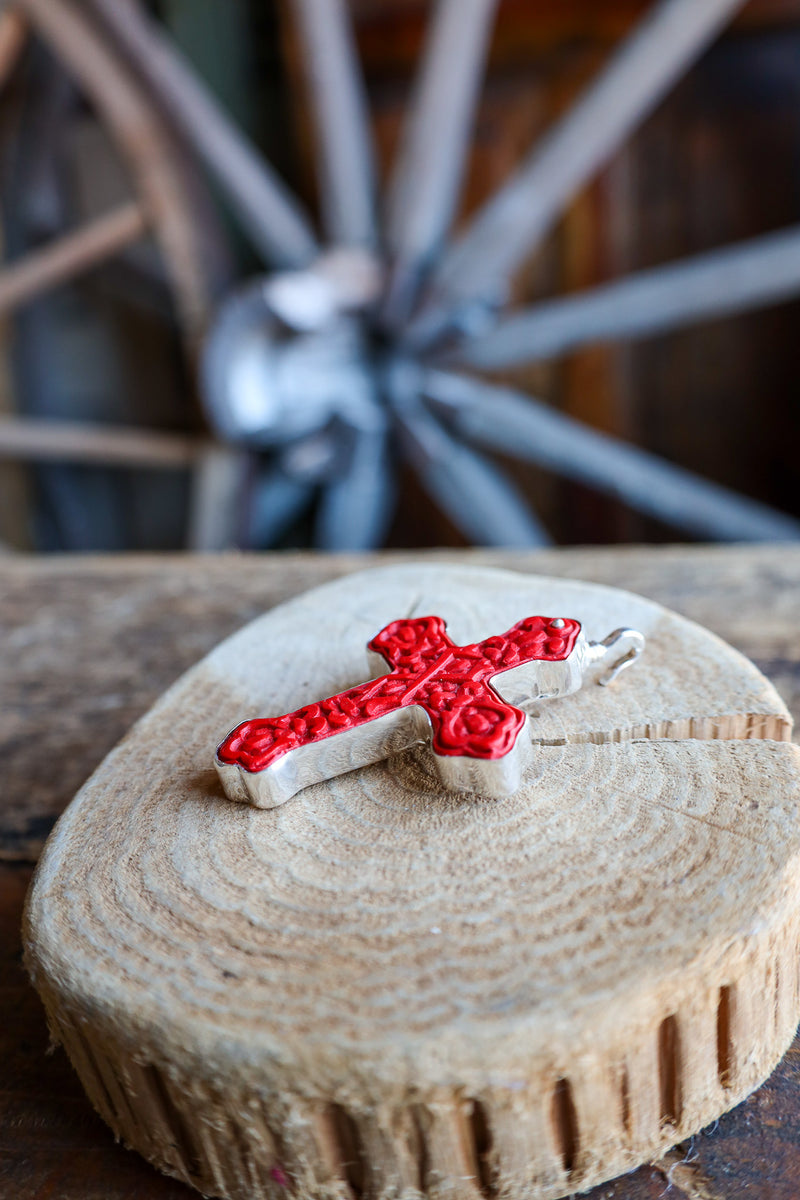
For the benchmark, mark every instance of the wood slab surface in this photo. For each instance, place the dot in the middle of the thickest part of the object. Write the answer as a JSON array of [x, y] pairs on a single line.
[[89, 644]]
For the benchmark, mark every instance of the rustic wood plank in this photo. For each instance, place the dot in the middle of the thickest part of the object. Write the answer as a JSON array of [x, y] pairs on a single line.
[[222, 979], [145, 620]]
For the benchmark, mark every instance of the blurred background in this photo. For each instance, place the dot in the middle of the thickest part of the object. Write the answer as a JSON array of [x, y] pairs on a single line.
[[252, 272]]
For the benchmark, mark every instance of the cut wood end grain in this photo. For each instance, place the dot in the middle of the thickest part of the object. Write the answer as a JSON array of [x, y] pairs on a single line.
[[383, 990]]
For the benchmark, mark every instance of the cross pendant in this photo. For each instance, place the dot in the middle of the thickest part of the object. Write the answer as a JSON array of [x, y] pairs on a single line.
[[434, 690]]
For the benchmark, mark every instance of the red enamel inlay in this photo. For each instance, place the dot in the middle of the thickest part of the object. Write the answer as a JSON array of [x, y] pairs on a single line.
[[450, 682]]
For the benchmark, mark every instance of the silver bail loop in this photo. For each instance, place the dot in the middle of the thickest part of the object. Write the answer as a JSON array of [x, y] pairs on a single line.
[[620, 649]]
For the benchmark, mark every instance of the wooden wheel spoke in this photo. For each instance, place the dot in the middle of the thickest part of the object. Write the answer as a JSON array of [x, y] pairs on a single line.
[[70, 255], [277, 502], [467, 487], [344, 141], [142, 139], [667, 41], [39, 440], [218, 482], [269, 213], [13, 35], [519, 425], [133, 73], [757, 273], [425, 182], [356, 507]]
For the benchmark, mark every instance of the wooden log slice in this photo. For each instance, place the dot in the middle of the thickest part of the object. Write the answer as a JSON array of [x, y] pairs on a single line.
[[381, 990]]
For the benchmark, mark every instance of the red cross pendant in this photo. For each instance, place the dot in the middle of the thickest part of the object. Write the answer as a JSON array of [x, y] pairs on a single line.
[[434, 689]]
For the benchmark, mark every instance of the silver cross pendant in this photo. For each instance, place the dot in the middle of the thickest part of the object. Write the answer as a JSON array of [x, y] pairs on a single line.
[[434, 691]]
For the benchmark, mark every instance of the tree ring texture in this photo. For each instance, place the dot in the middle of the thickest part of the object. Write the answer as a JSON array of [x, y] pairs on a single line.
[[382, 990]]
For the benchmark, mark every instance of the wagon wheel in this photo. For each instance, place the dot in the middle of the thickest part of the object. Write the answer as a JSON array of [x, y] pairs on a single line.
[[380, 336], [410, 353], [163, 205]]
